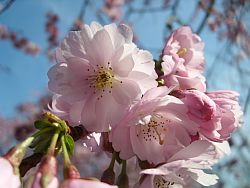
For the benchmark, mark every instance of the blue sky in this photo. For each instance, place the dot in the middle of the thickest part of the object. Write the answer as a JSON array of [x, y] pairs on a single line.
[[29, 74]]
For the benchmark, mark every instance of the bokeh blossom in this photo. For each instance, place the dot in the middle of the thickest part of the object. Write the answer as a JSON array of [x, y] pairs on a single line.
[[84, 183], [9, 178], [101, 68]]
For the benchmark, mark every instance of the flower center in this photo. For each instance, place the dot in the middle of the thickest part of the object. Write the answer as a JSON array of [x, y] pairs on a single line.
[[101, 79], [153, 128], [104, 79], [182, 52]]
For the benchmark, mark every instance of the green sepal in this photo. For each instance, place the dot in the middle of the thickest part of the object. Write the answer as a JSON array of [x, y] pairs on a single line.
[[41, 124], [41, 143], [43, 146], [70, 144]]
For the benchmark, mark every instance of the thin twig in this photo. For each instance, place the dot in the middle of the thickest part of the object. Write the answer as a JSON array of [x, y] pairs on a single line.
[[83, 10], [6, 6], [247, 101], [204, 21]]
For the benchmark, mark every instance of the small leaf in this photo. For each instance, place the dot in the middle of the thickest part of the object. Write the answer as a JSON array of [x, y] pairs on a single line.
[[40, 124], [44, 133], [69, 142], [43, 145]]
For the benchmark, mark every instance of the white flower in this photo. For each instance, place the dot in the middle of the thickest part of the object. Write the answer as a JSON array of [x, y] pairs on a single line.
[[187, 166], [103, 70]]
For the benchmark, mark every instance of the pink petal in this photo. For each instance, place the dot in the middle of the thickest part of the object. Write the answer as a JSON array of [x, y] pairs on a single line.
[[151, 151], [125, 92], [195, 149]]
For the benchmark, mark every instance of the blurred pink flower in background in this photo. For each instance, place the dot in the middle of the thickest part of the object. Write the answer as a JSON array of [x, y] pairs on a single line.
[[101, 68], [8, 176], [183, 60], [113, 9]]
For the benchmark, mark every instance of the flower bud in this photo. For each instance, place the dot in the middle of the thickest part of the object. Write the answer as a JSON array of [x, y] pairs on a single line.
[[45, 176]]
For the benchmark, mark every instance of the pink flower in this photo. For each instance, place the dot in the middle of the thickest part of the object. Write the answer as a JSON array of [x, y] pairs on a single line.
[[154, 129], [103, 71], [82, 183], [185, 167], [8, 176], [178, 75], [217, 113], [231, 113], [183, 60], [113, 9], [188, 46], [65, 110]]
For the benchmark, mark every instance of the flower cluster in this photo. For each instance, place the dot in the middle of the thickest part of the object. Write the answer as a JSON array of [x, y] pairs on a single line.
[[156, 115], [103, 81]]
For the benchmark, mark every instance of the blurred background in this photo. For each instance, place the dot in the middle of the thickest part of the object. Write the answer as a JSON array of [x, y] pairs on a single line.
[[31, 29]]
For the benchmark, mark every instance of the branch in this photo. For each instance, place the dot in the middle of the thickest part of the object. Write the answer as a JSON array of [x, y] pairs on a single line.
[[6, 6], [83, 10], [247, 101], [204, 21]]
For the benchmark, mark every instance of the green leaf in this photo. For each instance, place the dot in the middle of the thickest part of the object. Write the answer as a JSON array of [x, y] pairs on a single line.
[[41, 143], [43, 146], [70, 144], [40, 124]]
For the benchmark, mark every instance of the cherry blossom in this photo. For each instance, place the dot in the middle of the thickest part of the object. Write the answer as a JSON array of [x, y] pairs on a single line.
[[185, 167], [217, 113], [103, 70], [178, 75], [183, 60], [154, 129]]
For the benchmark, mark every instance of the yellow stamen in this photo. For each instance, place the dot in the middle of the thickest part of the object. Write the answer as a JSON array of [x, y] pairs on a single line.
[[182, 52], [104, 78]]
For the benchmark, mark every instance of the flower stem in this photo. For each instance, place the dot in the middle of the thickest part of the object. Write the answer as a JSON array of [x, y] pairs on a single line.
[[124, 167], [51, 150], [112, 162], [108, 176], [29, 140], [123, 181], [65, 152], [26, 142]]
